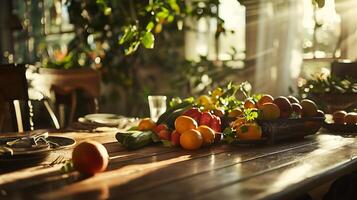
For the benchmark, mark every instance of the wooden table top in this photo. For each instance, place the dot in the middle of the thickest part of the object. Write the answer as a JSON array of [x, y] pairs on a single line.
[[279, 171]]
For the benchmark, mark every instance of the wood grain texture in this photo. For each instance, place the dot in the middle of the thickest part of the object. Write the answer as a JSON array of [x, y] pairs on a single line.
[[221, 171]]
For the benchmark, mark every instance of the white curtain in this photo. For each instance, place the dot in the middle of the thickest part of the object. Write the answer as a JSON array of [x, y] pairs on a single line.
[[279, 46]]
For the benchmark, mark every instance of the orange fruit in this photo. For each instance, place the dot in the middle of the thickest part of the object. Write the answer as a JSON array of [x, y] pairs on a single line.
[[249, 131], [238, 122], [90, 157], [146, 124], [249, 103], [266, 98], [269, 111], [191, 140], [207, 133], [184, 123]]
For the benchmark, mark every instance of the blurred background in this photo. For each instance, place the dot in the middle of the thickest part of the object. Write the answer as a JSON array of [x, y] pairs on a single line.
[[178, 47]]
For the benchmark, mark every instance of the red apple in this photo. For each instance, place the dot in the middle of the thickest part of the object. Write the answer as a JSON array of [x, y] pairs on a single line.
[[194, 113], [216, 124], [206, 118], [160, 127]]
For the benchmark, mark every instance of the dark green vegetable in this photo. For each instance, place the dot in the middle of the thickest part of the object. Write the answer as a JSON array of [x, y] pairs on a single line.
[[134, 139], [165, 116]]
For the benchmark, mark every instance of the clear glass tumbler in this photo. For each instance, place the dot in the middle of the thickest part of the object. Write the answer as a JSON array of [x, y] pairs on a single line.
[[157, 105]]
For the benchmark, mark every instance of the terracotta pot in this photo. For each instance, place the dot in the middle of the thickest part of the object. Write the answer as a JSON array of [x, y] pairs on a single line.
[[66, 80]]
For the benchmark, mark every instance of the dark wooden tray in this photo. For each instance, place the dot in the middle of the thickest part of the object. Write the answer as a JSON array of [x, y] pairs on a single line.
[[340, 128], [284, 129]]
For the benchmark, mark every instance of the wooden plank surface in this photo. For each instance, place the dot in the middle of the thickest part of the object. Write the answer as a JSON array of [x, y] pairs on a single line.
[[220, 171]]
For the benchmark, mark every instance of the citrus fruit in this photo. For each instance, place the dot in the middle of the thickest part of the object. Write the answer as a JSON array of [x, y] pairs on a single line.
[[269, 111], [146, 124], [90, 157], [249, 131], [309, 108], [184, 123], [191, 139], [204, 100], [207, 133], [238, 122], [216, 93], [339, 117], [266, 98], [249, 104]]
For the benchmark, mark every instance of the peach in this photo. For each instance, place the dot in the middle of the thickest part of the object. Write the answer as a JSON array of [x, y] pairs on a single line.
[[293, 99], [266, 98], [351, 118], [297, 108], [309, 108], [234, 113], [269, 111], [249, 103], [284, 106], [339, 117]]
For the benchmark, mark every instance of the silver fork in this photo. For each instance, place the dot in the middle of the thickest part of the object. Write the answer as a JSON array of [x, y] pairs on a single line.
[[59, 160]]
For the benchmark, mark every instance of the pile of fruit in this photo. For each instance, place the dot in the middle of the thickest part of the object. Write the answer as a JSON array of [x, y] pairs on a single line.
[[193, 123], [191, 129], [266, 108], [342, 117]]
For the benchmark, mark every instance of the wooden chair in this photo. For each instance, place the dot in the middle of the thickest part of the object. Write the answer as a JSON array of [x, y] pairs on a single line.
[[13, 91], [343, 69], [14, 95], [64, 84]]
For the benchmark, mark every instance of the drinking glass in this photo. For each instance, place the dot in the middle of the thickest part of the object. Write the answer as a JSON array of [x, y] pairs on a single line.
[[157, 105]]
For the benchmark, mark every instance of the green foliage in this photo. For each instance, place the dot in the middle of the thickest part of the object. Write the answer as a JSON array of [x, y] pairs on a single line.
[[328, 84], [251, 114]]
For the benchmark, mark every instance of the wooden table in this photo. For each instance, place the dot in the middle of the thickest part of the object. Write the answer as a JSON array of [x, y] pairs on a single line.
[[279, 171]]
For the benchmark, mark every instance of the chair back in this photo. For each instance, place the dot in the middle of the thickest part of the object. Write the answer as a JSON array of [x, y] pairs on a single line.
[[343, 69], [13, 90]]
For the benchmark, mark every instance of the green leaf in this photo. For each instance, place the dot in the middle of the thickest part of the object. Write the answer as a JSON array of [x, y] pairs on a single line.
[[134, 128], [150, 26], [148, 40]]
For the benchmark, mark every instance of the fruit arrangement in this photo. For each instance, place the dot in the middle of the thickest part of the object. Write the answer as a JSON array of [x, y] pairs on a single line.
[[264, 110], [195, 122], [342, 117]]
